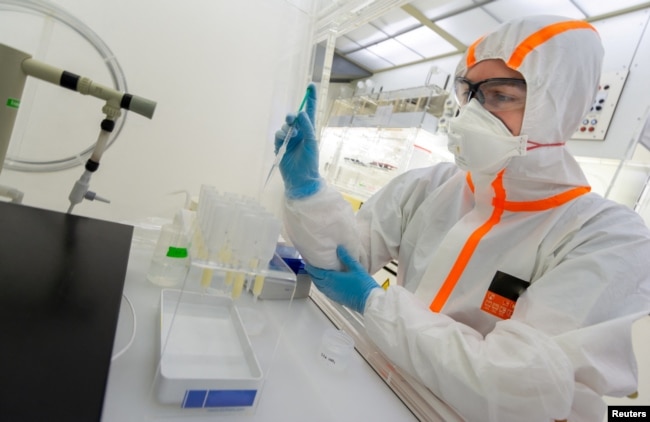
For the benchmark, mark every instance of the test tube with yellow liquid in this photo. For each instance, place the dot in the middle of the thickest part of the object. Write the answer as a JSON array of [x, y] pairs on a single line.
[[246, 229], [264, 249], [238, 236]]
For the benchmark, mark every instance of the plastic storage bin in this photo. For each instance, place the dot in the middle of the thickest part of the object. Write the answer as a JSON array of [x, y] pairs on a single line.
[[206, 357]]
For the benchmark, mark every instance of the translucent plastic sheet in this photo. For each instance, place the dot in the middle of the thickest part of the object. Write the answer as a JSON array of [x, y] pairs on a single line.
[[217, 335], [370, 138], [215, 351]]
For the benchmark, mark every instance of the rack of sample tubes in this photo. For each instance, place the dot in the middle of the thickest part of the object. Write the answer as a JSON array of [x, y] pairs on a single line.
[[217, 333], [234, 243]]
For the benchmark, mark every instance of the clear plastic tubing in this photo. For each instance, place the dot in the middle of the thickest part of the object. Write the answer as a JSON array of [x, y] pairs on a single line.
[[49, 10]]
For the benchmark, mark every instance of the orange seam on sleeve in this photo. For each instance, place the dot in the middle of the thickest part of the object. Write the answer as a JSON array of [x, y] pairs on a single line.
[[469, 248], [547, 203], [540, 37]]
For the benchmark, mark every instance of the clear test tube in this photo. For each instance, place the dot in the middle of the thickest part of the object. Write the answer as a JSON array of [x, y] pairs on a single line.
[[235, 208], [213, 237], [225, 214], [258, 228], [205, 214], [224, 231], [243, 244], [216, 233], [205, 197], [265, 248], [201, 221]]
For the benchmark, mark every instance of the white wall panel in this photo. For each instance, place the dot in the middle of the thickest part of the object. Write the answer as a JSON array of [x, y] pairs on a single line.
[[224, 75], [627, 47]]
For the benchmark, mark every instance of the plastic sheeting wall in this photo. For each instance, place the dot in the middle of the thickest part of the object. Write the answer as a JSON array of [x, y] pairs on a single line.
[[223, 74]]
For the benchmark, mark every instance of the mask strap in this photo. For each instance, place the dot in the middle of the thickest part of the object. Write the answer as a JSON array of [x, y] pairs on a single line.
[[536, 145]]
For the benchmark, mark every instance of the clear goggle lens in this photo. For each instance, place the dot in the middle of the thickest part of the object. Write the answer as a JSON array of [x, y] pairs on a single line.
[[496, 94]]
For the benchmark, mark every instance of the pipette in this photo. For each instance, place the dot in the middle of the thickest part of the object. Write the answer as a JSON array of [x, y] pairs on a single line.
[[283, 147]]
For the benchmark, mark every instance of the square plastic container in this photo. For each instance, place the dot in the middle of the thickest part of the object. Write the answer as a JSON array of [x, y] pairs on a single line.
[[282, 288], [206, 357]]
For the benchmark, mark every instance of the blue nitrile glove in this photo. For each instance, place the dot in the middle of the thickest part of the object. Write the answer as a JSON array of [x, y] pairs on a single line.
[[350, 288], [299, 165]]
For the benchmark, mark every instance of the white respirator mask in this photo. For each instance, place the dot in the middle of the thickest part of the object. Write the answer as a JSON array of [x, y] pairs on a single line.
[[480, 142]]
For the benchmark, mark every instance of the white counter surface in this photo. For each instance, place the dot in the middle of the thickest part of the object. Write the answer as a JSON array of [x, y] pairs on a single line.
[[297, 386]]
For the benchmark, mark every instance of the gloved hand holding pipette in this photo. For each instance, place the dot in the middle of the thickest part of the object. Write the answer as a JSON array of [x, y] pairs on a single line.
[[299, 164]]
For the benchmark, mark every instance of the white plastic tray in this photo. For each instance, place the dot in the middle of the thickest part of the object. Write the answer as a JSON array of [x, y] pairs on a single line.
[[206, 357]]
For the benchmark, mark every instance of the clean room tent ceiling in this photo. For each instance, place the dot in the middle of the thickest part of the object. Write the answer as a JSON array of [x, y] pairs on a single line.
[[423, 30]]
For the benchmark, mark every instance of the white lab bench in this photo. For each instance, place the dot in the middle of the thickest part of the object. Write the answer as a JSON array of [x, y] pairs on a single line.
[[297, 387]]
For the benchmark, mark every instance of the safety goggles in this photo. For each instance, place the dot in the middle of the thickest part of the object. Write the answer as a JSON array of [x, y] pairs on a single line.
[[495, 94]]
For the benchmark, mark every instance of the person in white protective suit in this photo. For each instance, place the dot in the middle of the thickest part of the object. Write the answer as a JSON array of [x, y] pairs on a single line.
[[517, 287]]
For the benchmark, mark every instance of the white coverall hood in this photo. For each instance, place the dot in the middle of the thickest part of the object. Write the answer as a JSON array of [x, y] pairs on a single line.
[[555, 55]]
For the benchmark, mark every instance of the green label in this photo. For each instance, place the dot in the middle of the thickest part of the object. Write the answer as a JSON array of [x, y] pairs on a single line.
[[13, 102], [174, 252]]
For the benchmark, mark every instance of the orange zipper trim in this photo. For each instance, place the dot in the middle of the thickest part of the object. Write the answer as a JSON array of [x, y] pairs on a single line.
[[500, 205], [469, 247]]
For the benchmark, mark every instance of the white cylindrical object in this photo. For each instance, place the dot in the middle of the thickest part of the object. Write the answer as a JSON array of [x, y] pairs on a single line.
[[87, 86], [79, 188], [42, 71], [12, 84]]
